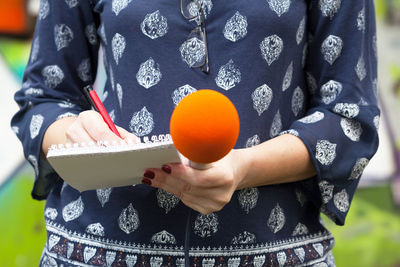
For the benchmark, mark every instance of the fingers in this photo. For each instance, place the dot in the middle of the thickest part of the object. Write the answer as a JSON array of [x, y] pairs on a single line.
[[130, 137], [206, 179], [169, 183], [75, 133], [90, 127], [95, 126], [202, 190], [184, 192]]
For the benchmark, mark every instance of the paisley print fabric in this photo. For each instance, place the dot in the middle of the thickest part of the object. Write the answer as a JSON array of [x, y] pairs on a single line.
[[299, 75]]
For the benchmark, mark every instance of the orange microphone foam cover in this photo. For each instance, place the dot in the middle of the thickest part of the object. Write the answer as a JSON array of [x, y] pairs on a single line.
[[204, 126]]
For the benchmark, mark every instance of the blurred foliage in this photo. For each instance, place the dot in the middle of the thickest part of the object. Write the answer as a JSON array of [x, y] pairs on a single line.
[[15, 53], [384, 7], [395, 74], [22, 228], [380, 8], [395, 71]]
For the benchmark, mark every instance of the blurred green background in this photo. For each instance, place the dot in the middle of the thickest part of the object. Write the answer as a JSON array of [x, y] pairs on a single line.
[[370, 238]]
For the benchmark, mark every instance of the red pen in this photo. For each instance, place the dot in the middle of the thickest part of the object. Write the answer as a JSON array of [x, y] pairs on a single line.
[[95, 101]]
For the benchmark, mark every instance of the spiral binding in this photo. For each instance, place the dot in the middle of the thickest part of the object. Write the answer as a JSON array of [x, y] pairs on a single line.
[[161, 141]]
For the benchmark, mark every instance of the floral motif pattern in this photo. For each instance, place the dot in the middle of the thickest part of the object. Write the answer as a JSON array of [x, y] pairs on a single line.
[[276, 219], [271, 48], [235, 28], [262, 98], [128, 220]]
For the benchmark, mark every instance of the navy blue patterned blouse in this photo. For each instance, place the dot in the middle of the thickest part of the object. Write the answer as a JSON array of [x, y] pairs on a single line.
[[303, 67]]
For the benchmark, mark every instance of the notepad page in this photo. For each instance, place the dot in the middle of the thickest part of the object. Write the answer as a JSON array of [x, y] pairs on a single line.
[[88, 168]]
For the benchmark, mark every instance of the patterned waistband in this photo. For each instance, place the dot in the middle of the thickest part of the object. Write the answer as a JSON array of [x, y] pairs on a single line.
[[86, 250]]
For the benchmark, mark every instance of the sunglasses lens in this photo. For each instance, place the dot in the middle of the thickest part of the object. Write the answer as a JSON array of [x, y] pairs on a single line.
[[195, 50], [190, 9]]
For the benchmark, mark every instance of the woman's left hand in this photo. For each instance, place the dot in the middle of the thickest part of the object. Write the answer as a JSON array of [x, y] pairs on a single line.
[[205, 191]]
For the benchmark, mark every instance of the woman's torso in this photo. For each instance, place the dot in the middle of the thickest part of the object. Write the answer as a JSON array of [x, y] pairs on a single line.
[[256, 56]]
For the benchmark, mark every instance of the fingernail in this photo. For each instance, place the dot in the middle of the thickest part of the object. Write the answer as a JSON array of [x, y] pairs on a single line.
[[166, 169], [149, 174], [146, 181]]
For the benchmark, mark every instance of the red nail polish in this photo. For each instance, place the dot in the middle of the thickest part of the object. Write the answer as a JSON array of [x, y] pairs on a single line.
[[146, 181], [149, 174], [166, 169]]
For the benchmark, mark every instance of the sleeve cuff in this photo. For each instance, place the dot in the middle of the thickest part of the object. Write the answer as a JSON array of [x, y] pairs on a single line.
[[45, 176]]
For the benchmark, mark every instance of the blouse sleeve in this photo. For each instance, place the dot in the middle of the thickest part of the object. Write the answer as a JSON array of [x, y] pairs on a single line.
[[63, 60], [340, 127]]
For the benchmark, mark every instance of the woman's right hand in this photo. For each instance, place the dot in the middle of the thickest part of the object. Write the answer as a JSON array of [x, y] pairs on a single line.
[[88, 127]]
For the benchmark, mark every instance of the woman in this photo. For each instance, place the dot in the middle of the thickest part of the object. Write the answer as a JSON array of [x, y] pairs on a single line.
[[302, 75]]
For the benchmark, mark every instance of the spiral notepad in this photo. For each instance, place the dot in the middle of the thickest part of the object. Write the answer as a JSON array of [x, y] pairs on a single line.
[[88, 167]]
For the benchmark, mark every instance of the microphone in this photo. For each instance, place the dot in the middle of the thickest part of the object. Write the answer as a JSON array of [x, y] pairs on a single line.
[[204, 127]]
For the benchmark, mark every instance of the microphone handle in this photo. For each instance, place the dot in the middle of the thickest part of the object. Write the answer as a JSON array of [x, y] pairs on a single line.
[[200, 166]]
